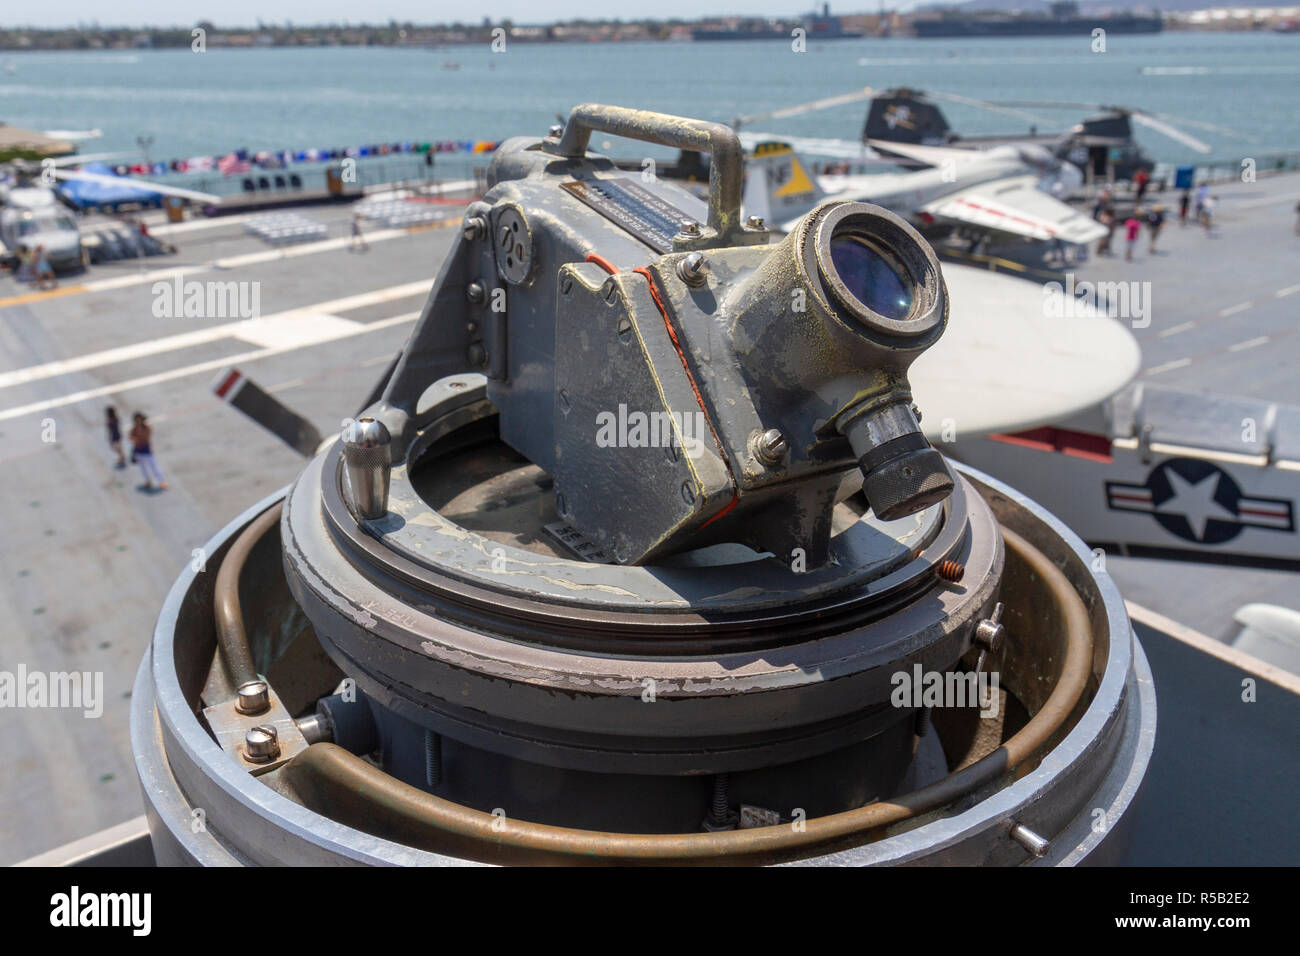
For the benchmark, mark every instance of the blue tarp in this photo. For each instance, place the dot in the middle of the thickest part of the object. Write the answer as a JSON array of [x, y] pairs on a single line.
[[84, 193]]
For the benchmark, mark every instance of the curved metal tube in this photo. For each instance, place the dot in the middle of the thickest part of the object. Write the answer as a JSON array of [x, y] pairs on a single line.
[[229, 614], [361, 795], [726, 177]]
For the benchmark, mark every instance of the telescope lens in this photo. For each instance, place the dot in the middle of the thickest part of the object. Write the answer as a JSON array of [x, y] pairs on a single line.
[[873, 276]]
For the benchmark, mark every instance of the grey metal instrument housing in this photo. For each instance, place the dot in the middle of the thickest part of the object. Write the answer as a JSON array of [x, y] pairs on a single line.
[[681, 380]]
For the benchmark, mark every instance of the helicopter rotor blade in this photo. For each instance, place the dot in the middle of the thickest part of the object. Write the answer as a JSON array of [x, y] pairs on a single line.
[[1154, 121], [984, 105], [1054, 104], [825, 103], [1160, 126], [141, 183], [1199, 124]]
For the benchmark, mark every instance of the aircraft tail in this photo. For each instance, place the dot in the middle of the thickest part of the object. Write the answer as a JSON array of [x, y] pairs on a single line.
[[778, 185]]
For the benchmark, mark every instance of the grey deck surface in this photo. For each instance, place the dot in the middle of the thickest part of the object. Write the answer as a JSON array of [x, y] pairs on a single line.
[[87, 557], [1225, 318]]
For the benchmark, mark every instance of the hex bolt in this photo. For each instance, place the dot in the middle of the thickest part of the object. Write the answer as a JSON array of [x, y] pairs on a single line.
[[693, 269], [771, 447], [950, 570], [475, 228], [476, 356], [475, 292], [691, 229], [556, 131], [261, 744], [755, 222], [368, 457], [432, 758], [1031, 841], [253, 697]]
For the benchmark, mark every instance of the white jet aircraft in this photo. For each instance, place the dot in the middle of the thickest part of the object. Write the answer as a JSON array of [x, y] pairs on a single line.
[[1004, 191]]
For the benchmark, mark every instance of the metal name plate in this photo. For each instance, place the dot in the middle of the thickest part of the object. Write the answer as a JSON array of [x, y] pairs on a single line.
[[638, 211]]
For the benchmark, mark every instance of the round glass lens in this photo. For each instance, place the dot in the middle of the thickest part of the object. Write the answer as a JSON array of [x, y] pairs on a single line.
[[875, 278]]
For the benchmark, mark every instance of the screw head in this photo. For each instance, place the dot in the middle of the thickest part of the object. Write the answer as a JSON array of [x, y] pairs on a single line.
[[475, 228], [693, 269], [261, 744], [475, 292], [771, 447], [254, 697], [756, 222]]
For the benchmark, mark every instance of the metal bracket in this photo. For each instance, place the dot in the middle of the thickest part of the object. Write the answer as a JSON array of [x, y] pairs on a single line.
[[230, 727]]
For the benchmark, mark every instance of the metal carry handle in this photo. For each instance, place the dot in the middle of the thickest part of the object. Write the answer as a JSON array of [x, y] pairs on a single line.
[[721, 142]]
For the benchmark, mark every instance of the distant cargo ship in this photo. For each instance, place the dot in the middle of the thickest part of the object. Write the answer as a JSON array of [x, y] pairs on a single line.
[[1064, 20], [818, 27]]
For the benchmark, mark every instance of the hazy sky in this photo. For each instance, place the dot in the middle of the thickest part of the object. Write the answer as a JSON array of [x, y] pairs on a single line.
[[247, 12]]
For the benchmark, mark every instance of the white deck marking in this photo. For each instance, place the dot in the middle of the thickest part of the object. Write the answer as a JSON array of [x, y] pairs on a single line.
[[1234, 309], [1249, 344], [231, 262], [1169, 366], [1289, 290], [1177, 329], [254, 329], [351, 329], [194, 225]]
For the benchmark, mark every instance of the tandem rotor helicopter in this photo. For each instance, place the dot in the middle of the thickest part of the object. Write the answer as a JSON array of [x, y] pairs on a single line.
[[1103, 146]]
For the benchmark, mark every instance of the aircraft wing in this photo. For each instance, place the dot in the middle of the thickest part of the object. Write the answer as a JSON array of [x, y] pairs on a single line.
[[1017, 206], [929, 155], [828, 148]]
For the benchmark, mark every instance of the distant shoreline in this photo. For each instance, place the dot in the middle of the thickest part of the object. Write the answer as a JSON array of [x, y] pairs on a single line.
[[430, 37]]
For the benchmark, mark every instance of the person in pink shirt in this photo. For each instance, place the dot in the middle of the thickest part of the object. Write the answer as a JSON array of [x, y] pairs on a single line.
[[1132, 225]]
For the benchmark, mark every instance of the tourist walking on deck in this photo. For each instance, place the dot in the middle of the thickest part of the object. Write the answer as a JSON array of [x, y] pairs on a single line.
[[142, 452], [1132, 226], [1108, 220], [1102, 204], [1202, 193], [1155, 222], [1207, 213], [114, 435], [358, 241], [1141, 179], [26, 270], [44, 271], [1183, 205]]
